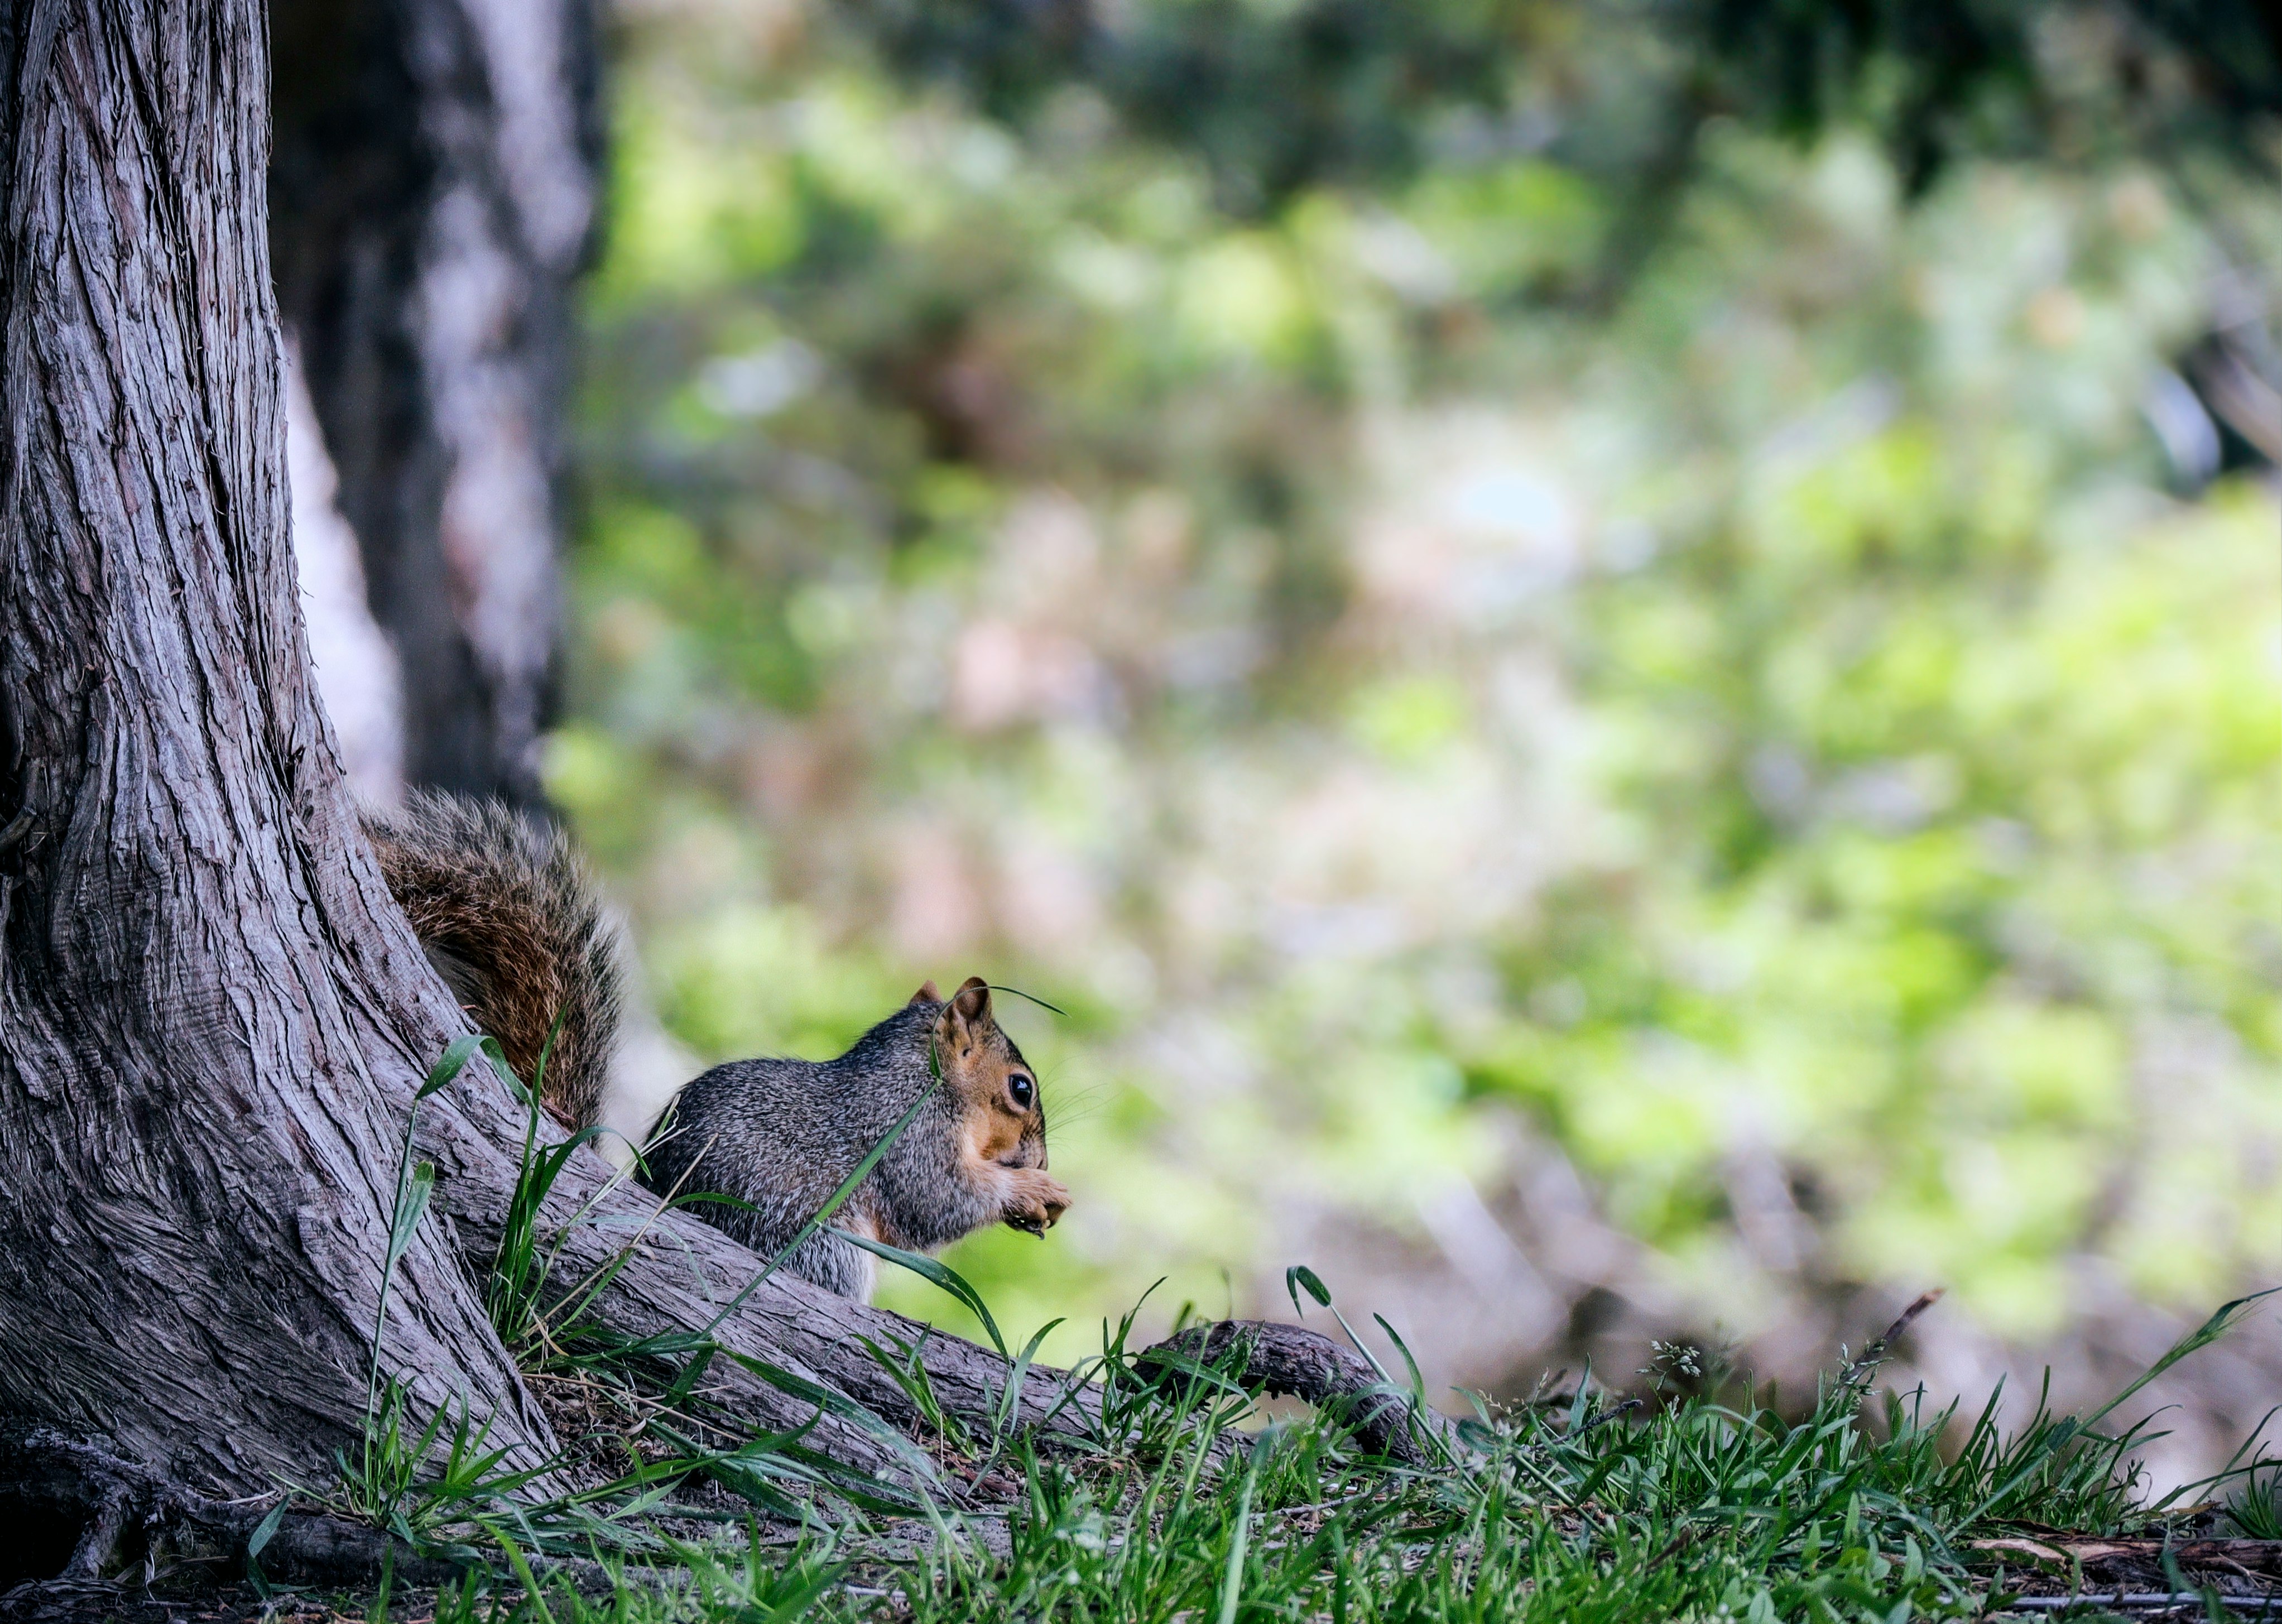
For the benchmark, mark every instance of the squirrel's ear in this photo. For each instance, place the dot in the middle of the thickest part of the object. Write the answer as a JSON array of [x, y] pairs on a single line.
[[927, 994], [971, 1004]]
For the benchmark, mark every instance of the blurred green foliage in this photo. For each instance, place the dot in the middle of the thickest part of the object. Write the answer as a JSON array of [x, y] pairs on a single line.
[[1387, 680], [1278, 95]]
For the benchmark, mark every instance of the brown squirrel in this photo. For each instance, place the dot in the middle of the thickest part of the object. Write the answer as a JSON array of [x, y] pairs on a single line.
[[510, 921]]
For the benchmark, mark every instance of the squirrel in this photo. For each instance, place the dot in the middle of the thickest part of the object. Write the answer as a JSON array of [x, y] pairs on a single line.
[[506, 914], [782, 1135]]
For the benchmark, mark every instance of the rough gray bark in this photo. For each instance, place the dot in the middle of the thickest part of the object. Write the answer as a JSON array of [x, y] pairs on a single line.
[[208, 1002], [432, 191]]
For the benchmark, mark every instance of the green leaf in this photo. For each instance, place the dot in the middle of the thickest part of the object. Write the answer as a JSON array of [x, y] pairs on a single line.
[[940, 1274], [1299, 1274], [266, 1529], [263, 1531], [455, 1057]]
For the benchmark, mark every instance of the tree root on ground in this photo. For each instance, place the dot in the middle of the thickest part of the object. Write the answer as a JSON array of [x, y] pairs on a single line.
[[1268, 1355], [786, 1354], [77, 1513]]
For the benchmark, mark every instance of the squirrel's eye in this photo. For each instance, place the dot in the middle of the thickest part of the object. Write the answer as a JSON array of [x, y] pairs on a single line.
[[1022, 1091]]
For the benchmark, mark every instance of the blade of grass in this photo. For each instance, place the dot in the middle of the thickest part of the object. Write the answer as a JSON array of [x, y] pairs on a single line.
[[937, 1273], [1239, 1537], [1011, 1394], [408, 1207], [1032, 998], [2201, 1337], [1417, 1381], [840, 1406]]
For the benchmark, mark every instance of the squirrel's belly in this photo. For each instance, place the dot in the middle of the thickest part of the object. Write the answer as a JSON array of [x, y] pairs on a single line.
[[856, 1219]]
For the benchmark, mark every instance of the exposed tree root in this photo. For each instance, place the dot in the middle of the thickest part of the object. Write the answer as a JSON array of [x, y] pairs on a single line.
[[674, 1274], [74, 1510], [788, 1354], [670, 1275], [1265, 1356]]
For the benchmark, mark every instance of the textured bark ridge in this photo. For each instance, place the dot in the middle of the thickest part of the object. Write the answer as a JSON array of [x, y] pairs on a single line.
[[433, 196]]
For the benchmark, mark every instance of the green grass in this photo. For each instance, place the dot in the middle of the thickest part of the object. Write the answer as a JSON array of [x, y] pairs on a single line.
[[1704, 1508], [1711, 1503]]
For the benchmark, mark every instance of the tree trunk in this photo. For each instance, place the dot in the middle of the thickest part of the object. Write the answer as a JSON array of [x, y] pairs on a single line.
[[210, 1010], [432, 190]]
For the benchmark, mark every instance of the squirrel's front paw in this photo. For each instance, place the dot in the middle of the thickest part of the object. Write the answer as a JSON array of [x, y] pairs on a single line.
[[1034, 1200]]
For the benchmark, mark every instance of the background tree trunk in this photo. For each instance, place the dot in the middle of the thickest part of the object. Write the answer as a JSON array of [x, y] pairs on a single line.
[[208, 1003], [432, 198]]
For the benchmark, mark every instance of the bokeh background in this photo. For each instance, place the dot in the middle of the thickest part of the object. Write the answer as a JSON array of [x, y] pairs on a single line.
[[1623, 701]]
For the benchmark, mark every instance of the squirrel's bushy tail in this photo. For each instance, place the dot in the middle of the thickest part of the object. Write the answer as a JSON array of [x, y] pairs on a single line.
[[511, 921]]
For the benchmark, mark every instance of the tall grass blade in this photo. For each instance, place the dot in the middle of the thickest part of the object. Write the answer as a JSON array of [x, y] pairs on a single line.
[[936, 1273], [1417, 1381], [1231, 1589], [840, 1406], [1033, 998], [1010, 1397], [408, 1207], [2202, 1336]]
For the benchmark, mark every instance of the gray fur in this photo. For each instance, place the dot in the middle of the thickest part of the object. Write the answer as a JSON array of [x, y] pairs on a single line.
[[783, 1135]]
